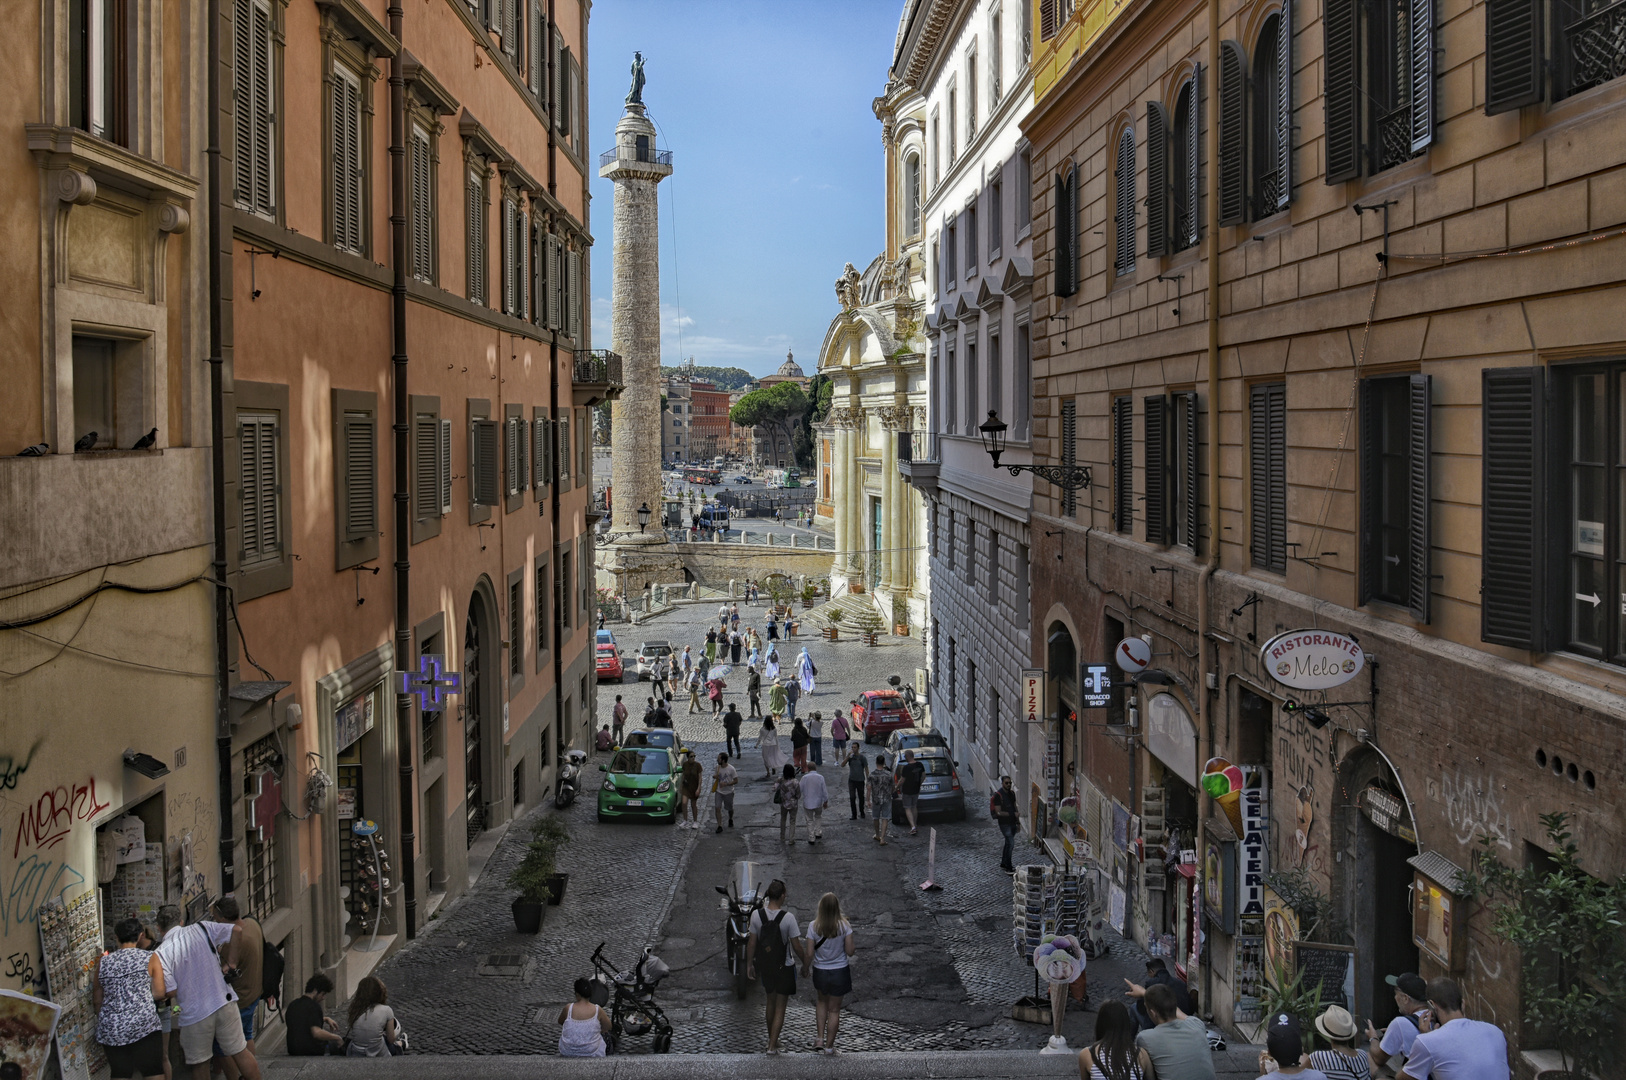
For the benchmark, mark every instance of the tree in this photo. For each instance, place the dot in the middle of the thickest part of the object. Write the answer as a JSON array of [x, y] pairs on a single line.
[[724, 378], [821, 394], [781, 408], [1567, 926]]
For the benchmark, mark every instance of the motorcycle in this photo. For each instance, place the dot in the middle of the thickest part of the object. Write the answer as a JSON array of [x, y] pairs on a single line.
[[744, 896], [569, 778]]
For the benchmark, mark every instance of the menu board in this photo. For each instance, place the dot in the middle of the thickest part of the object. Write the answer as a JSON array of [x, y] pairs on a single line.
[[1331, 967], [71, 941]]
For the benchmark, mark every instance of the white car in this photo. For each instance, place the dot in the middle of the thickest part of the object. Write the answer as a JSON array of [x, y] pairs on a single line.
[[648, 653]]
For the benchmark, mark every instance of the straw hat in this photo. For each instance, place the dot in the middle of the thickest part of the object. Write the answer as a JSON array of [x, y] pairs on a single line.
[[1336, 1024]]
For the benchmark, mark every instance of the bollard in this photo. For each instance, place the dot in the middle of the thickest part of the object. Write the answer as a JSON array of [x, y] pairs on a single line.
[[732, 594]]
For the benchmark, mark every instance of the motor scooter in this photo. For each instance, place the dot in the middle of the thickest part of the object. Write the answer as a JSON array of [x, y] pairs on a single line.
[[569, 778], [744, 895]]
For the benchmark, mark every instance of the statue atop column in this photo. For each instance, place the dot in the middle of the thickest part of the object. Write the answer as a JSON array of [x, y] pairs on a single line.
[[635, 96]]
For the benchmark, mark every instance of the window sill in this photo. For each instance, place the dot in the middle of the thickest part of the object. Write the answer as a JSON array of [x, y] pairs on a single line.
[[70, 148], [1024, 232]]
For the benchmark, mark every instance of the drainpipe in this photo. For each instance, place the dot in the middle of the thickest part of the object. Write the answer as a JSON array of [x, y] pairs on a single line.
[[218, 269], [403, 503], [553, 411], [1205, 648]]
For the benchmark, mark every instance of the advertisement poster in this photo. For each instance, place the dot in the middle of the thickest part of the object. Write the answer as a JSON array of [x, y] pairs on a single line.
[[347, 803], [27, 1025], [71, 941], [1115, 908], [353, 720]]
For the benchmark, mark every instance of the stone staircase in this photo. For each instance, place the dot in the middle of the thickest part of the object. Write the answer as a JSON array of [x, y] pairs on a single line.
[[858, 615]]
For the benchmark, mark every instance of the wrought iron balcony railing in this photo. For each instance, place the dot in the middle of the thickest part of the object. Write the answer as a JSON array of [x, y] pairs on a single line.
[[1592, 49], [597, 367], [648, 155]]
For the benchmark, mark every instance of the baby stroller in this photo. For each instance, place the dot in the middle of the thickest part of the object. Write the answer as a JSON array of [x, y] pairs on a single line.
[[630, 997]]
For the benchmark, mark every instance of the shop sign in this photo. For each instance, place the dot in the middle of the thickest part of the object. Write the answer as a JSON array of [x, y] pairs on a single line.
[[1133, 655], [364, 827], [1312, 659], [1095, 685], [1253, 857], [352, 720], [1033, 695], [1171, 737], [1387, 812], [431, 682], [1219, 884]]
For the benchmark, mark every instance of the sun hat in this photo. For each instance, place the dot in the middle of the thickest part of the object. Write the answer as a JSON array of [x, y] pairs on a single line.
[[1336, 1024]]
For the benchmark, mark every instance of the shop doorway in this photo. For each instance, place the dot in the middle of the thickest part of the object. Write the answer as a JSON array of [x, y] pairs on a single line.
[[877, 542], [130, 864], [1392, 948], [1377, 881], [476, 638]]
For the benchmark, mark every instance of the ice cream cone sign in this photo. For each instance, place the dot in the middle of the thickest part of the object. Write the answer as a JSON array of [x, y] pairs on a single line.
[[1223, 782]]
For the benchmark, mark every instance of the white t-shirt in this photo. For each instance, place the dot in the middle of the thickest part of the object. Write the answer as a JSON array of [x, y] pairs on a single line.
[[727, 777], [367, 1033], [830, 953], [1400, 1034], [192, 969], [787, 929], [1460, 1049]]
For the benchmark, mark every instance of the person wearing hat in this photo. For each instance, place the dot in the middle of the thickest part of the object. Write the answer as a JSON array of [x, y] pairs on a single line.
[[1284, 1050], [1342, 1061], [1455, 1047], [1394, 1041]]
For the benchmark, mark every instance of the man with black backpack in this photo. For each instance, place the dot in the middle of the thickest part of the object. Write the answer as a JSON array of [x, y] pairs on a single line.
[[251, 983], [773, 946]]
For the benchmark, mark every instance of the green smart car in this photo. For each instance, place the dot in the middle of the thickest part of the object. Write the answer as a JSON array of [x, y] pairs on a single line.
[[641, 782]]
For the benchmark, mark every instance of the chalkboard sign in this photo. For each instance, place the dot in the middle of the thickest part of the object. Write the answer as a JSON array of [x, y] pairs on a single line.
[[1332, 967]]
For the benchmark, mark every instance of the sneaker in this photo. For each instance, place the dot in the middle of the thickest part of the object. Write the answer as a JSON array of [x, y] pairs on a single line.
[[719, 828]]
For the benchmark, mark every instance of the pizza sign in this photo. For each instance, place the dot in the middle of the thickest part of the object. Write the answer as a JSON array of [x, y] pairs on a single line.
[[1312, 659], [1033, 695]]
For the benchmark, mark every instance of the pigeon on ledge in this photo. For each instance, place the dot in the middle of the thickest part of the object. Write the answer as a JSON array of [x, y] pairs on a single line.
[[37, 450], [85, 443], [146, 441]]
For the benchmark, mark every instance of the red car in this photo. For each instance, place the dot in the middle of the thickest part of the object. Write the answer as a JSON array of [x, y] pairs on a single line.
[[609, 664], [883, 713]]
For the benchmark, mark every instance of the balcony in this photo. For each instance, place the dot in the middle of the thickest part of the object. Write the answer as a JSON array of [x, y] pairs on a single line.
[[918, 460], [647, 155], [596, 376]]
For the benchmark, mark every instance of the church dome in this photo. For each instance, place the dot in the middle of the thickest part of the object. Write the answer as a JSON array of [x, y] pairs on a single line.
[[790, 368]]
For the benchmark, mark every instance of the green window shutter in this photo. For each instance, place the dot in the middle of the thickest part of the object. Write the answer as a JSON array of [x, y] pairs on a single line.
[[260, 492], [547, 450], [1511, 589], [248, 487], [445, 466], [422, 233], [360, 476], [1157, 503], [558, 79], [347, 162], [554, 249], [426, 465], [1422, 74], [1341, 92], [575, 296], [508, 241], [1233, 132], [1191, 475], [534, 66], [1157, 179], [1513, 54], [243, 101], [511, 456], [1419, 503], [562, 427], [510, 29]]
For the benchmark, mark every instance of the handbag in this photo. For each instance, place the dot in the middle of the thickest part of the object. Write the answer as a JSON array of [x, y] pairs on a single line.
[[778, 798]]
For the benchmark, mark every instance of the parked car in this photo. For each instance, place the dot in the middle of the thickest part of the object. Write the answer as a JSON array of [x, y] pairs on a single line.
[[648, 653], [911, 738], [884, 713], [743, 479], [662, 738], [639, 782], [607, 663], [940, 791], [605, 637]]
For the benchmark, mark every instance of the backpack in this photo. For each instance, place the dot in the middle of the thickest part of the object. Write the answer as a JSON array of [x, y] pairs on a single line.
[[271, 965], [770, 941]]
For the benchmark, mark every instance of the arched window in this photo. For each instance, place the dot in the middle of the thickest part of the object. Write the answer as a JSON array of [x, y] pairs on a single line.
[[911, 195], [1183, 178], [1123, 261], [1272, 119]]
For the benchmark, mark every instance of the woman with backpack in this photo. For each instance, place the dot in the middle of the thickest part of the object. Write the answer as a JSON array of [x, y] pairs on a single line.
[[773, 944], [829, 949]]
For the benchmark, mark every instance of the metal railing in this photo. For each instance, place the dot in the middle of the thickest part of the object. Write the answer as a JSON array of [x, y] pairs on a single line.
[[917, 446], [597, 367], [649, 156], [1593, 48]]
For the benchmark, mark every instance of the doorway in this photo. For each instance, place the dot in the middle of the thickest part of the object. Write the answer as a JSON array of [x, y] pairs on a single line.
[[877, 542], [476, 633], [1381, 861]]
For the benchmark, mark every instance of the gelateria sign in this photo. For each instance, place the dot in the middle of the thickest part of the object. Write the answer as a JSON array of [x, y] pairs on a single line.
[[1312, 659]]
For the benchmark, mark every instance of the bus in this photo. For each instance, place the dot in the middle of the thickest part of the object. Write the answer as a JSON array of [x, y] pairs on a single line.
[[695, 474], [784, 478]]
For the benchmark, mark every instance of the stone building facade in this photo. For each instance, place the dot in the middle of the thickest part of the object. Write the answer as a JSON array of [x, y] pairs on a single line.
[[970, 65], [1329, 322]]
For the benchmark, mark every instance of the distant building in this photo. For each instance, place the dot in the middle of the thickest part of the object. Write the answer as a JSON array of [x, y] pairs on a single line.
[[789, 371], [675, 420]]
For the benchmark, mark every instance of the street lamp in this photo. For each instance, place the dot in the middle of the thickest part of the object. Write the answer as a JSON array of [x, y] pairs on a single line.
[[1066, 477], [643, 516]]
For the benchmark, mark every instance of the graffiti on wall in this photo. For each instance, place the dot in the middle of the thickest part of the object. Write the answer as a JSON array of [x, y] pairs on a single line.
[[1472, 807], [11, 770], [46, 822], [1301, 754]]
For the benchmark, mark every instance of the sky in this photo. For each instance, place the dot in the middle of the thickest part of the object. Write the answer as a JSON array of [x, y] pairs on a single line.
[[777, 164]]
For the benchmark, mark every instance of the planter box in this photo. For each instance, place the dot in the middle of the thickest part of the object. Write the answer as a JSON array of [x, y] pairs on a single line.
[[855, 588], [831, 633], [1032, 1010], [528, 917], [557, 883], [901, 629]]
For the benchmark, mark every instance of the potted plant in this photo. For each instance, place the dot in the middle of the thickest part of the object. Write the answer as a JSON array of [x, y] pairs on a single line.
[[809, 591], [835, 617], [535, 876]]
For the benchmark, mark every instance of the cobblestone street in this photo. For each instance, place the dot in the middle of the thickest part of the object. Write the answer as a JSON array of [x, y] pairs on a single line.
[[933, 970]]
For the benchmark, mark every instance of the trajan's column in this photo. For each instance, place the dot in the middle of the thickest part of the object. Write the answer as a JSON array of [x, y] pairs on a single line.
[[632, 556]]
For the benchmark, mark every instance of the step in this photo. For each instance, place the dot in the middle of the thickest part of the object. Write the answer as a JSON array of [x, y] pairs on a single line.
[[802, 1065]]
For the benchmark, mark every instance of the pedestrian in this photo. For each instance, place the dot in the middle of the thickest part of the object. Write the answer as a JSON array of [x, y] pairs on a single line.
[[659, 677], [192, 958], [1284, 1051], [753, 690], [714, 690], [1002, 805], [771, 667], [603, 740], [711, 647], [1158, 974], [649, 712], [911, 774], [310, 1032], [722, 617], [692, 775], [724, 779], [829, 951], [1112, 1056], [1176, 1046], [881, 787], [248, 981], [798, 743], [806, 672], [735, 644], [773, 758], [695, 684], [787, 795], [773, 627], [687, 661], [618, 717], [1341, 1061], [582, 1024], [793, 694], [773, 944], [601, 618], [373, 1030], [857, 776], [124, 984], [776, 700], [815, 738], [734, 616], [732, 722], [662, 716], [1455, 1047], [839, 732], [1392, 1046], [815, 797]]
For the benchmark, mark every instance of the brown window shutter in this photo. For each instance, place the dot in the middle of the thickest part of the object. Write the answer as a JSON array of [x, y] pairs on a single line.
[[1157, 503], [1233, 132], [1047, 19], [360, 476], [1284, 105], [1513, 54], [1157, 179], [1420, 501], [426, 466], [1341, 93], [1421, 26], [483, 475], [1511, 589]]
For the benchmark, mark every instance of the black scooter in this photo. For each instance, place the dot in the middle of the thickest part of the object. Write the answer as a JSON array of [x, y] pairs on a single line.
[[570, 774], [744, 896]]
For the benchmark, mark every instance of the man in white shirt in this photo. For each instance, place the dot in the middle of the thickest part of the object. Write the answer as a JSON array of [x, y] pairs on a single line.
[[1392, 1045], [195, 958], [815, 797], [724, 780], [1455, 1047]]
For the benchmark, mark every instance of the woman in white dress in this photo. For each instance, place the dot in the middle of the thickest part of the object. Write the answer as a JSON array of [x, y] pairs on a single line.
[[773, 758], [804, 671]]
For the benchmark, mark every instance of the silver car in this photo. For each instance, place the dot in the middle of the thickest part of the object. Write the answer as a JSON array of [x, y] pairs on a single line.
[[648, 653], [940, 791]]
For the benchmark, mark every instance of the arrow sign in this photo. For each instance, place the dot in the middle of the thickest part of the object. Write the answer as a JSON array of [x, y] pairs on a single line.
[[1594, 599]]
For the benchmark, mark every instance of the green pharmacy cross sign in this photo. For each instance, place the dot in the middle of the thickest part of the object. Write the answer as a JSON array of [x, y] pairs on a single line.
[[431, 682]]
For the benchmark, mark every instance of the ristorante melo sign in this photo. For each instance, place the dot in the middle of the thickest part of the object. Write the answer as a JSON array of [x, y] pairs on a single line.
[[1312, 659]]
